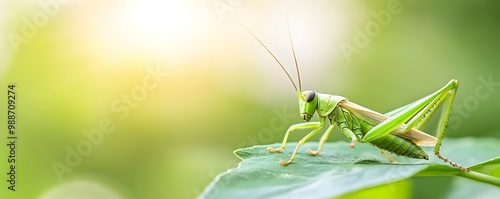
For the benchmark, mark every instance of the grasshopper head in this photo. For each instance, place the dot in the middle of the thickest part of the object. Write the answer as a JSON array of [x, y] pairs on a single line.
[[308, 103]]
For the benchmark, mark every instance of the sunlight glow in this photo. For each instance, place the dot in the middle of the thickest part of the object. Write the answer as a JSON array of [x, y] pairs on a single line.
[[144, 28], [167, 18]]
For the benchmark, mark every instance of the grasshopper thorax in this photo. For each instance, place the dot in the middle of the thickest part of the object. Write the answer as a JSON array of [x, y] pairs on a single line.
[[308, 103]]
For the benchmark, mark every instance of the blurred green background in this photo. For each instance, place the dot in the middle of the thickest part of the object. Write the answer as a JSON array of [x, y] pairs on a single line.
[[182, 85]]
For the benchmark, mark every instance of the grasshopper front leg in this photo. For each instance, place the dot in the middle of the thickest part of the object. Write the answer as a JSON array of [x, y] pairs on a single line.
[[318, 127], [290, 129], [321, 142]]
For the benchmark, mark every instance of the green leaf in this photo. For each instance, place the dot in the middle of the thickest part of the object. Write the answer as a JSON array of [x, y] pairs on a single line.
[[466, 189], [339, 170]]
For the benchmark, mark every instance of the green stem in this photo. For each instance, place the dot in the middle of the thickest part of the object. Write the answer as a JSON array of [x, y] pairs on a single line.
[[481, 177]]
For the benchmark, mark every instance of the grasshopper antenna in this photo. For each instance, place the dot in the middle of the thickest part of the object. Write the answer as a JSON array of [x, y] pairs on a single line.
[[276, 59], [294, 57]]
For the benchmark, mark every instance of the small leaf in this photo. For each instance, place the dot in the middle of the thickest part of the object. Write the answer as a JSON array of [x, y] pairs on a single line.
[[338, 170]]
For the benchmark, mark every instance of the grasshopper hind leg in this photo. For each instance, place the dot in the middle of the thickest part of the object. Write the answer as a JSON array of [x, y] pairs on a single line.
[[450, 95], [461, 167]]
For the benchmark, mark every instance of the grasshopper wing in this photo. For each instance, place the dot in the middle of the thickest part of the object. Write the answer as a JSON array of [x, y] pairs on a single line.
[[374, 118]]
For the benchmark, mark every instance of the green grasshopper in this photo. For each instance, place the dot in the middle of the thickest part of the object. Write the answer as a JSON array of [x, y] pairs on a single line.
[[397, 131]]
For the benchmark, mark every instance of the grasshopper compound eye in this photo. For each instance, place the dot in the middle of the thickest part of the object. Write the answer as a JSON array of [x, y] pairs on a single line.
[[310, 96]]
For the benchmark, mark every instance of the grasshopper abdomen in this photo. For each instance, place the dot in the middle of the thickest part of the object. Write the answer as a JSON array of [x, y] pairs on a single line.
[[400, 146]]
